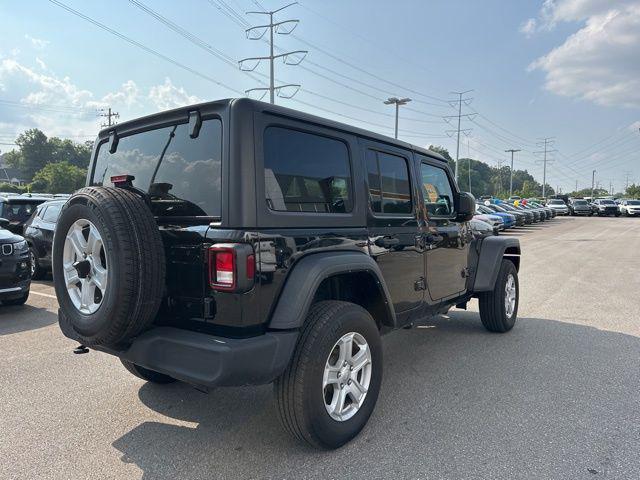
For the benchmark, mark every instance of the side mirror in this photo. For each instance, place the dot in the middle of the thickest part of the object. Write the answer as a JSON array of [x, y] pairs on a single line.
[[4, 223], [466, 207]]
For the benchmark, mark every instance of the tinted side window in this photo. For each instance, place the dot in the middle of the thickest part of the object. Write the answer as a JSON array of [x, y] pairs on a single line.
[[51, 213], [304, 172], [389, 186], [437, 191]]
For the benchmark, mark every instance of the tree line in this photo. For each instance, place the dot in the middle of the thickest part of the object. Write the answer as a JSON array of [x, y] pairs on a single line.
[[48, 164]]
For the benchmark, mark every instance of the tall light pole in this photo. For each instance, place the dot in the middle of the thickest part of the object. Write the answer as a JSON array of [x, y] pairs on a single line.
[[397, 101], [593, 182], [512, 150]]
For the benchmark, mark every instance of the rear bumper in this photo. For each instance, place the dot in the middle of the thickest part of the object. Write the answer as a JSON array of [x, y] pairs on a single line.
[[209, 361]]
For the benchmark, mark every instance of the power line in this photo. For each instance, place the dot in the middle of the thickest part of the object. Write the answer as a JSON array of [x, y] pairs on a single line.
[[143, 47], [459, 116], [108, 114], [546, 143]]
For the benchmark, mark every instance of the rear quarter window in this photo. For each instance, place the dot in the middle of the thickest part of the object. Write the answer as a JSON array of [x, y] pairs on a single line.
[[305, 172]]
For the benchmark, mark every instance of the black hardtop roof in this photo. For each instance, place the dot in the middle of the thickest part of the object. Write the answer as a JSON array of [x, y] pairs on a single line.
[[255, 105]]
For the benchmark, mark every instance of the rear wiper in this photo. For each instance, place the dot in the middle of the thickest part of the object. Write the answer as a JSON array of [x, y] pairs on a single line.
[[164, 151]]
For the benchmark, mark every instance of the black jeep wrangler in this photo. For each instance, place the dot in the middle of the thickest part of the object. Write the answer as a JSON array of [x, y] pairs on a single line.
[[241, 243]]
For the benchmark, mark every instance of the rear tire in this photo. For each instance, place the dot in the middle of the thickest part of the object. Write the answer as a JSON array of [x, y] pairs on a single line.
[[309, 392], [146, 374], [497, 312]]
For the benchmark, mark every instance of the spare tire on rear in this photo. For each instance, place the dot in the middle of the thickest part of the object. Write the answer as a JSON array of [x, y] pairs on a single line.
[[108, 266]]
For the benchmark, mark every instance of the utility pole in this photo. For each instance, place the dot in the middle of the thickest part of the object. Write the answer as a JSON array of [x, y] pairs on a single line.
[[108, 114], [593, 182], [459, 116], [397, 102], [284, 27], [610, 187], [469, 157], [576, 190], [626, 183], [512, 150], [546, 143]]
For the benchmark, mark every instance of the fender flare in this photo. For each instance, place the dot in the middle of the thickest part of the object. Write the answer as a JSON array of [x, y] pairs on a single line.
[[492, 250], [306, 276]]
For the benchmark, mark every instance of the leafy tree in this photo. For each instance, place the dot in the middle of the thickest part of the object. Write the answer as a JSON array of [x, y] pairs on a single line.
[[10, 187], [445, 153], [633, 191], [59, 177], [36, 151]]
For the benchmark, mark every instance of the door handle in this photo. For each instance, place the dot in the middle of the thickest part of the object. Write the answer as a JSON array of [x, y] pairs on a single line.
[[387, 242]]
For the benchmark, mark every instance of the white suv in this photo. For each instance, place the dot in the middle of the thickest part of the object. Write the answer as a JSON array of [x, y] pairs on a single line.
[[559, 206], [629, 207]]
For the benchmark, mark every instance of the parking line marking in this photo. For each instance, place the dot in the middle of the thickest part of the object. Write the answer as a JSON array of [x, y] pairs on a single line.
[[44, 294]]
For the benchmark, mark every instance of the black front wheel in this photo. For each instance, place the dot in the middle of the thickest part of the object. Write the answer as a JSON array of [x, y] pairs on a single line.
[[327, 393], [36, 269], [499, 307]]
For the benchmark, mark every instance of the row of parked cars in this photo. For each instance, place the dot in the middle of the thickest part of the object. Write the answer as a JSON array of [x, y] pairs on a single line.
[[27, 222], [494, 215]]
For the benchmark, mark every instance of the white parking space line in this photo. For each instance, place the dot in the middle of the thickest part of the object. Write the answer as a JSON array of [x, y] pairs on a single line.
[[43, 295]]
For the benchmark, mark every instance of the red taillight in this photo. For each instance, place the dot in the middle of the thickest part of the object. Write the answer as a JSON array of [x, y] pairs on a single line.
[[222, 268]]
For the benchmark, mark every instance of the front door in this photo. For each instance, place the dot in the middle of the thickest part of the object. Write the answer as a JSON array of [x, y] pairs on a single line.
[[447, 241], [394, 237]]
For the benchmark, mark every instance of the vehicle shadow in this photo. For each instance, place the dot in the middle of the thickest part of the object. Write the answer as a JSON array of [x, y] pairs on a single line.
[[547, 400], [16, 319]]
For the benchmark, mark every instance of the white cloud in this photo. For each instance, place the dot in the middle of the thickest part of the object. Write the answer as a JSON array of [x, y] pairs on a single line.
[[41, 63], [528, 27], [599, 62], [167, 96], [37, 42], [127, 95]]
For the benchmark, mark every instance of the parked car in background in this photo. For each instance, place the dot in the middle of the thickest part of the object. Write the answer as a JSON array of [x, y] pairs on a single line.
[[18, 209], [579, 206], [605, 207], [494, 220], [629, 207], [549, 212], [508, 219], [15, 274], [528, 216], [558, 206], [501, 207], [481, 229], [38, 232]]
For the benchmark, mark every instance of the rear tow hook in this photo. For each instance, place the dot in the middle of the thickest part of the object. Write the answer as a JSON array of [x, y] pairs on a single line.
[[80, 349]]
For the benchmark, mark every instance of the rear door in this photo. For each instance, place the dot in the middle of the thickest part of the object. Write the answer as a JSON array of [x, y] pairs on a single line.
[[447, 241], [394, 231]]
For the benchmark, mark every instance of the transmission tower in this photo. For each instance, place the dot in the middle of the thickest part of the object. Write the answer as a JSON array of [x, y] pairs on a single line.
[[458, 131], [108, 114], [284, 27], [546, 143]]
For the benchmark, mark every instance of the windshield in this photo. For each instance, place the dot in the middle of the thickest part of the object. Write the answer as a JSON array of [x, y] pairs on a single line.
[[633, 202], [182, 175], [580, 202], [607, 202], [556, 202]]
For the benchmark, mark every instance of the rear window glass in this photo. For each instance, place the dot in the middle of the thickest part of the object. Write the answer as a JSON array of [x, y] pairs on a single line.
[[17, 211], [182, 175], [304, 172], [389, 188]]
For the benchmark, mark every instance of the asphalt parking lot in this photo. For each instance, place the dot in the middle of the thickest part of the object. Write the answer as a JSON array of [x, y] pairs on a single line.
[[558, 397]]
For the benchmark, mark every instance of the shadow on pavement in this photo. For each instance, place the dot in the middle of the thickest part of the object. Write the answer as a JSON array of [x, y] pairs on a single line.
[[25, 317], [547, 400]]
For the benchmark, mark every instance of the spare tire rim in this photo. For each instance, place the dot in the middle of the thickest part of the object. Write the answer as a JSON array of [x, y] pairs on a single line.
[[84, 261], [347, 376], [510, 296]]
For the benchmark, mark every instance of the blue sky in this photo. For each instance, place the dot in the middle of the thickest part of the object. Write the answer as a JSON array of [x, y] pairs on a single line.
[[567, 69]]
